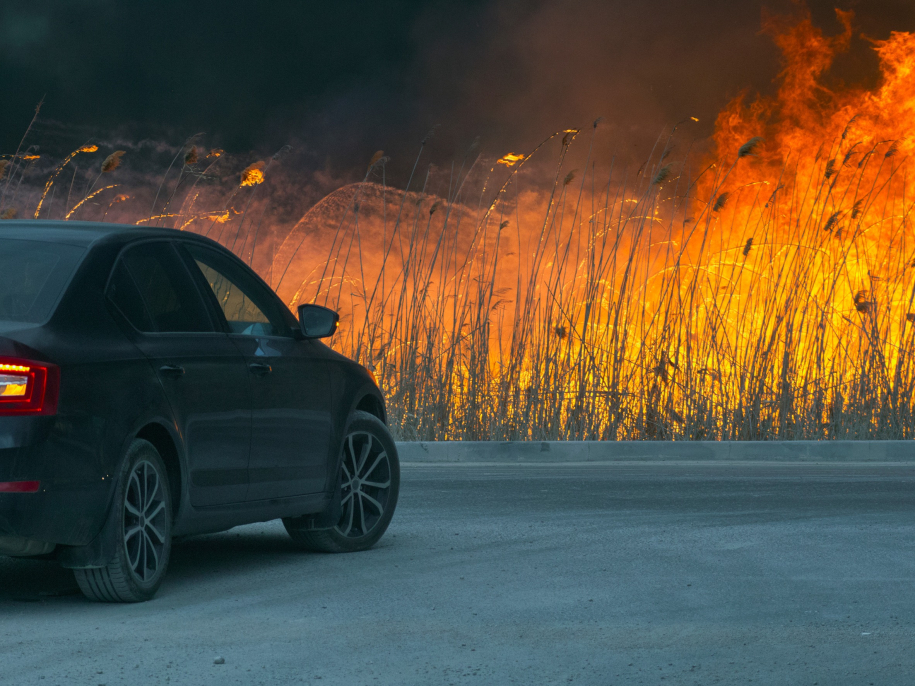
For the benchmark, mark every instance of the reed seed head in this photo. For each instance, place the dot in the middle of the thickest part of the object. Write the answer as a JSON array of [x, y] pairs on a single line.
[[662, 175], [748, 246], [282, 151], [113, 161], [721, 202], [848, 126], [569, 136], [851, 153], [749, 147], [831, 222]]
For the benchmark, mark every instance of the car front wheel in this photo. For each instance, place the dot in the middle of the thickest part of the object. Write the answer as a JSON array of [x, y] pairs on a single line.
[[370, 484]]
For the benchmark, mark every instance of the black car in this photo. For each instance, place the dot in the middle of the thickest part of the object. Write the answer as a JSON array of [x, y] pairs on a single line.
[[153, 386]]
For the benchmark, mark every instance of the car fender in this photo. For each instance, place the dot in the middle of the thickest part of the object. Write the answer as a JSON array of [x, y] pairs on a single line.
[[367, 390], [100, 550]]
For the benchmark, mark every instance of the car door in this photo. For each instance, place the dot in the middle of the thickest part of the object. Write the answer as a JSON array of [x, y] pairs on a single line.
[[202, 372], [290, 406]]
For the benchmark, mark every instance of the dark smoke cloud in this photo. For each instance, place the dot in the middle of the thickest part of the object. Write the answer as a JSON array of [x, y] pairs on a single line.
[[340, 80], [532, 68]]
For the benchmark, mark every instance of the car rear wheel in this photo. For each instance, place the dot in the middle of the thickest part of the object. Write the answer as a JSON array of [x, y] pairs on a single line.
[[370, 485], [144, 532]]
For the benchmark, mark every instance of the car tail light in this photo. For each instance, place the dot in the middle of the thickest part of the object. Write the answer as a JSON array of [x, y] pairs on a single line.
[[28, 387]]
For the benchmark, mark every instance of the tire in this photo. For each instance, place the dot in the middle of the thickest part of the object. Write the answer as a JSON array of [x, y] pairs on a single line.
[[368, 500], [143, 523]]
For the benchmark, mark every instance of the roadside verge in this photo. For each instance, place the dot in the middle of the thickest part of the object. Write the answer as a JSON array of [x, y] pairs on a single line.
[[656, 451]]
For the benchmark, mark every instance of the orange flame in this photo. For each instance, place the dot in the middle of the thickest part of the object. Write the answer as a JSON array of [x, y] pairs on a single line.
[[779, 301], [510, 159], [253, 174]]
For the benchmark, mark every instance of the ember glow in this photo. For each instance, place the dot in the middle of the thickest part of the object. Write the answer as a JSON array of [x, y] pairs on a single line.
[[253, 174], [510, 159]]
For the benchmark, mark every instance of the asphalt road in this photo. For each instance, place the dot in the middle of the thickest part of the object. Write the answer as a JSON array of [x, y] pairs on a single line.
[[601, 574]]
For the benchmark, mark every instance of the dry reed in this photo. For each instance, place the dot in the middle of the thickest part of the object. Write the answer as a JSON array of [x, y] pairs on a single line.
[[615, 308]]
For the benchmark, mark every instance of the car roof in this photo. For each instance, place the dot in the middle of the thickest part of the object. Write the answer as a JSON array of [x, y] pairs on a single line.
[[82, 234]]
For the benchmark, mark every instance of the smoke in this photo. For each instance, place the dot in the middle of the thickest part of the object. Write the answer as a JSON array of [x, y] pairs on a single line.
[[338, 85]]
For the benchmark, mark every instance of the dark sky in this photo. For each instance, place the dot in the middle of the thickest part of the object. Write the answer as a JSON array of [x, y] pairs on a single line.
[[343, 78]]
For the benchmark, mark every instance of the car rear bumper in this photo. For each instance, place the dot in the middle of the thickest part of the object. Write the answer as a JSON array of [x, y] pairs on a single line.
[[68, 504], [67, 516]]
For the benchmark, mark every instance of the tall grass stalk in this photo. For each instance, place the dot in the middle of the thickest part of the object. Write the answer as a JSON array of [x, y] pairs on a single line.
[[642, 308], [663, 304]]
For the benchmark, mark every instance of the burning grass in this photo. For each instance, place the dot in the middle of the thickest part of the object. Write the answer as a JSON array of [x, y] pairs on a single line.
[[768, 293]]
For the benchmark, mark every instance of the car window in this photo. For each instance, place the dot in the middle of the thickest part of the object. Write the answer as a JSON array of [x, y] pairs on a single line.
[[248, 307], [172, 301], [32, 276], [123, 292]]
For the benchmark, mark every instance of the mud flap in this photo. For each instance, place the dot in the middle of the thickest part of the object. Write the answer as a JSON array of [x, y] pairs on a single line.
[[100, 550], [329, 517]]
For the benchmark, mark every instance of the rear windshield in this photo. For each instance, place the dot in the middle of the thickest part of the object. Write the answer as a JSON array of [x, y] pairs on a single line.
[[32, 276]]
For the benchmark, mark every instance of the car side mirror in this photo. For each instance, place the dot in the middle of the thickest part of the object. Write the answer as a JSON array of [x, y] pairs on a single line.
[[317, 322]]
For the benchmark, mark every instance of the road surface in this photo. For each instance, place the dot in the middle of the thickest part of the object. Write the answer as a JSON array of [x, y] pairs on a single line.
[[573, 574]]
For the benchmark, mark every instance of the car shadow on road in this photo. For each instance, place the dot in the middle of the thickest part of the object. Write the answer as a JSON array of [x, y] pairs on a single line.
[[195, 560], [242, 550], [34, 580]]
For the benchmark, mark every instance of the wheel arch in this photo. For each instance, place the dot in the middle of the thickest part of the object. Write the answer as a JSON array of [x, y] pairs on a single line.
[[372, 404], [97, 553], [162, 439]]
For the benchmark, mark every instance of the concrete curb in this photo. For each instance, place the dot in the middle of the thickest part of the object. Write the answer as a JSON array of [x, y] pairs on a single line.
[[511, 452]]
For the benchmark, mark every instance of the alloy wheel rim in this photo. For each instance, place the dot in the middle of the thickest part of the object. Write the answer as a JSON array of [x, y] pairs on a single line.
[[366, 484], [145, 521]]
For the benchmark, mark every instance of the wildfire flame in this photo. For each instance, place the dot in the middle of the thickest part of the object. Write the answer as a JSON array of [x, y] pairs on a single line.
[[253, 174], [764, 291], [510, 159], [772, 296]]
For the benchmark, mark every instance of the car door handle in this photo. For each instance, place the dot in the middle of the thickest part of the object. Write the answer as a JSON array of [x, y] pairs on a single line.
[[260, 368], [171, 370]]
